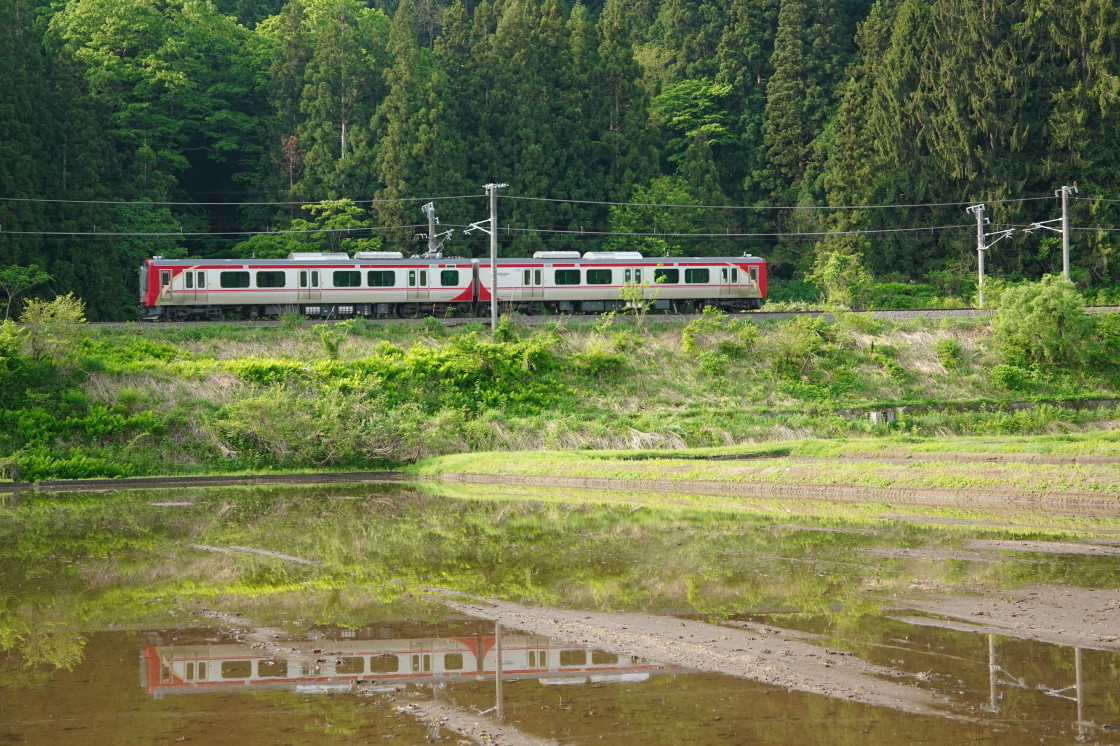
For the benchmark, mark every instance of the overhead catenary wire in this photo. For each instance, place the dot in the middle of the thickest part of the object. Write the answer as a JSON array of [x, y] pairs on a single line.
[[765, 207], [755, 208], [512, 229], [198, 234], [125, 202]]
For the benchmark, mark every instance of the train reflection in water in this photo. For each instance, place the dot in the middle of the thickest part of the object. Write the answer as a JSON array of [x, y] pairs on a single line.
[[330, 665]]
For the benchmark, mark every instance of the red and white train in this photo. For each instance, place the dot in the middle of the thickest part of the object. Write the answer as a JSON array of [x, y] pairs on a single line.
[[321, 665], [382, 283]]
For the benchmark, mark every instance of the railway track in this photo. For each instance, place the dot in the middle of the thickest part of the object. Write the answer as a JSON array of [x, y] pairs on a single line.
[[898, 314]]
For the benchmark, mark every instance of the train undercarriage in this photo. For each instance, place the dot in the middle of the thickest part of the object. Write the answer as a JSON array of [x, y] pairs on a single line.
[[437, 310]]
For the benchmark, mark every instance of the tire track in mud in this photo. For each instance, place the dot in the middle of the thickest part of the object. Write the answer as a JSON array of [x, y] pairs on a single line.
[[753, 651], [963, 498]]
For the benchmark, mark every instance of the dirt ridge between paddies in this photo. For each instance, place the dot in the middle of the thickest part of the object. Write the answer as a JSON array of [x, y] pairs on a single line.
[[967, 498]]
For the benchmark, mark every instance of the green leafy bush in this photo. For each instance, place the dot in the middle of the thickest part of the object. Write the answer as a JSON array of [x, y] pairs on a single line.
[[796, 344], [949, 352], [1011, 377], [1043, 323], [597, 361]]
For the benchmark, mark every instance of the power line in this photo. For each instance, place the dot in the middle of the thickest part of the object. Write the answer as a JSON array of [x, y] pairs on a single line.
[[228, 204], [755, 208], [512, 229], [765, 207], [195, 234]]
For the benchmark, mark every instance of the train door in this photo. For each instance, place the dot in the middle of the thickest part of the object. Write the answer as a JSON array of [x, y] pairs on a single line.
[[420, 653], [533, 280], [194, 285], [309, 287], [167, 287], [417, 285], [728, 280]]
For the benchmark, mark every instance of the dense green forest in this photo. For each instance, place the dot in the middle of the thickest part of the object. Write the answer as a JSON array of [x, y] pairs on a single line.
[[128, 123]]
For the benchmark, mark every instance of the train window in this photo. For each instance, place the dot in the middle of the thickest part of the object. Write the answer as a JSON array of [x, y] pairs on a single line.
[[237, 669], [201, 671], [567, 277], [384, 664], [665, 276], [754, 275], [190, 280], [350, 665], [421, 663], [381, 278], [190, 672], [452, 661], [346, 279], [234, 279], [423, 278], [314, 278], [272, 668], [723, 274], [573, 657], [734, 275], [598, 277], [696, 275], [637, 275], [271, 279], [536, 277], [449, 278], [600, 658], [528, 277], [165, 277], [538, 659], [412, 278], [303, 278]]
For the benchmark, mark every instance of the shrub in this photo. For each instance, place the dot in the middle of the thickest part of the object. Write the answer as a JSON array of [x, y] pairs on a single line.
[[949, 352], [597, 361], [844, 278], [796, 344], [1043, 323], [53, 327], [1011, 377]]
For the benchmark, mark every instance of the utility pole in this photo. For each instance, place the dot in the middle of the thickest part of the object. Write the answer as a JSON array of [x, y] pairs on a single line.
[[492, 229], [981, 247], [1064, 192], [430, 210], [978, 211]]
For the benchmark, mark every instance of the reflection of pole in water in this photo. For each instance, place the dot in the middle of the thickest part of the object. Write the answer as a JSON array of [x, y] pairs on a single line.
[[1080, 697], [499, 712], [993, 668]]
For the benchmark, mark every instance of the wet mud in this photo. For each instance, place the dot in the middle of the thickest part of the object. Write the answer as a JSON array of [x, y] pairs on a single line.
[[753, 651]]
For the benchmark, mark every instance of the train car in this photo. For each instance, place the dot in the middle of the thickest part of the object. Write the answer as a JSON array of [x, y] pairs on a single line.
[[568, 282], [373, 284], [324, 285], [322, 665]]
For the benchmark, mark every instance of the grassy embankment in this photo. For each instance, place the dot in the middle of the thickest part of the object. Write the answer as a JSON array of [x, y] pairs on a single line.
[[155, 400]]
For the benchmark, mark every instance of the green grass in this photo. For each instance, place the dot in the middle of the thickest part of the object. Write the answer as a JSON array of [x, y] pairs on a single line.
[[356, 395]]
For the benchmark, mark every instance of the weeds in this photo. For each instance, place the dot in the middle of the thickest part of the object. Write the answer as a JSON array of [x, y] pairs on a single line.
[[355, 394]]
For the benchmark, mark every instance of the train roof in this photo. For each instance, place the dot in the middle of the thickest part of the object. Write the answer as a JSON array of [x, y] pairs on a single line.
[[448, 261]]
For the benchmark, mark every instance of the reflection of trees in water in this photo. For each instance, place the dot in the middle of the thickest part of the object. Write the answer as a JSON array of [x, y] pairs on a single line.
[[34, 651], [127, 558]]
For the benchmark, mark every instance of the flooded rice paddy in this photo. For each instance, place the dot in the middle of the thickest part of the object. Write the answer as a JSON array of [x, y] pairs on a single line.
[[384, 614]]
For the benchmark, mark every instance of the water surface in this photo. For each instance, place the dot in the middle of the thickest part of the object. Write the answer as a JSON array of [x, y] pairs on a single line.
[[311, 615]]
